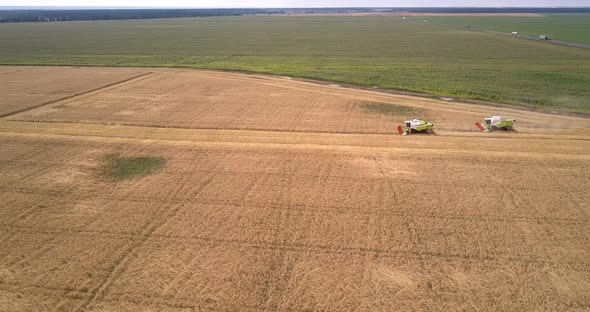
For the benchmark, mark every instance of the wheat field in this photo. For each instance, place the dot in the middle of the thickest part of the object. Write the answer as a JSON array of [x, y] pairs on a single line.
[[299, 202]]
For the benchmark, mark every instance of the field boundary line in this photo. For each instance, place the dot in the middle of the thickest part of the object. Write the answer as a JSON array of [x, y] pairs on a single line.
[[26, 109]]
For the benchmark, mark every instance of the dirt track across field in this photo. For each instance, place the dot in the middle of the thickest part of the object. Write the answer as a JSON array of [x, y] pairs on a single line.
[[283, 195], [520, 36]]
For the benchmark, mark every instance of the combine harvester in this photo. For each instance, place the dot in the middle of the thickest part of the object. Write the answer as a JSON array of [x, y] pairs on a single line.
[[415, 126], [496, 123]]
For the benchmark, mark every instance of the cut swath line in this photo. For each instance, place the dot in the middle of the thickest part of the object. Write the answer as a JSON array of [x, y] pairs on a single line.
[[73, 95]]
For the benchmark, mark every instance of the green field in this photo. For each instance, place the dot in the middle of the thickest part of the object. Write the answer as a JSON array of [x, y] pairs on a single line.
[[370, 51], [564, 27], [121, 168]]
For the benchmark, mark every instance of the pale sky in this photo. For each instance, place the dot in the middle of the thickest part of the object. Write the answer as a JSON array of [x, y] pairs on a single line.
[[296, 3]]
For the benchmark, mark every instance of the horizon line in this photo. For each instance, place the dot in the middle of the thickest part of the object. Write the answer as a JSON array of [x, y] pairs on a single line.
[[291, 7]]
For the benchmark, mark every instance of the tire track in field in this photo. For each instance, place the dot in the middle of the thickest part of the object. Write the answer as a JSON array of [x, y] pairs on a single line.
[[197, 305], [121, 263], [127, 256], [185, 274], [303, 248], [327, 158], [26, 213], [135, 298], [48, 245], [26, 109], [242, 113], [373, 220], [304, 110], [325, 209], [279, 270]]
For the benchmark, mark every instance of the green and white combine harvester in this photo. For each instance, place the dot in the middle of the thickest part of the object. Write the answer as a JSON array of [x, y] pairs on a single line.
[[415, 126], [496, 123]]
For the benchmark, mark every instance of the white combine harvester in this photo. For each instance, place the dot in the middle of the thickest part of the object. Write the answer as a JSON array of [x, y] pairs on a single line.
[[496, 123], [415, 126]]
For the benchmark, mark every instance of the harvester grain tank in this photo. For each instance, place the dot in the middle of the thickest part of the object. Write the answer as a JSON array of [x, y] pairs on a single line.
[[415, 126], [496, 123]]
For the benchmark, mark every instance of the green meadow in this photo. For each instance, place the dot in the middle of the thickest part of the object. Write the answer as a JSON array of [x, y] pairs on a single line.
[[565, 27], [387, 52]]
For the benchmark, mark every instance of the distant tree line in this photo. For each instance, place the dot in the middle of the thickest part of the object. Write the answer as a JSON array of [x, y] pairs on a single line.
[[16, 16], [21, 15], [438, 10]]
